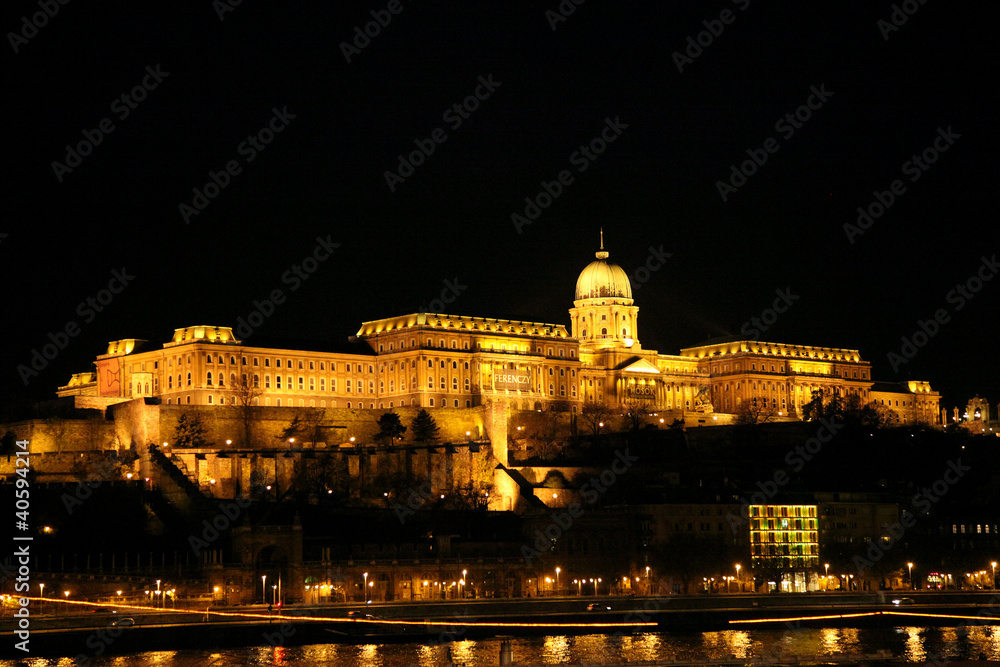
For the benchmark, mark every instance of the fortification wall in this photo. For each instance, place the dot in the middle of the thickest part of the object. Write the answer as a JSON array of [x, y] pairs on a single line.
[[335, 425], [64, 435]]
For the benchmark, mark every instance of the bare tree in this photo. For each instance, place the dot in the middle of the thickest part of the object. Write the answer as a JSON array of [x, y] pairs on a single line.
[[246, 393], [635, 414], [753, 411], [595, 413], [306, 426]]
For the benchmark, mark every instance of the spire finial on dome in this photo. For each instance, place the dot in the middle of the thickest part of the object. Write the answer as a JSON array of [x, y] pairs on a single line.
[[602, 253]]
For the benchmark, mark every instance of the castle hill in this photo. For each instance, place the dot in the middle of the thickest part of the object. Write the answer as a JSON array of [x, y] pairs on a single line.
[[433, 458]]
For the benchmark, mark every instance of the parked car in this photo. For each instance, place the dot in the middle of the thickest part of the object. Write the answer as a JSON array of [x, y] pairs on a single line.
[[597, 606], [357, 614], [124, 623], [899, 601]]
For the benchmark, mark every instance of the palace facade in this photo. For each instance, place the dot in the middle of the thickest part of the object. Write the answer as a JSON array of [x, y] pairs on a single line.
[[437, 360]]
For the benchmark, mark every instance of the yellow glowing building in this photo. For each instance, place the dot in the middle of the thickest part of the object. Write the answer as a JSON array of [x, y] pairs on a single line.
[[457, 361], [784, 539]]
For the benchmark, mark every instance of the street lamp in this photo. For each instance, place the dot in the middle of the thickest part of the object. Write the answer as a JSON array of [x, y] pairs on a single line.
[[158, 589], [909, 574], [263, 588], [738, 566], [994, 580], [366, 588], [557, 580]]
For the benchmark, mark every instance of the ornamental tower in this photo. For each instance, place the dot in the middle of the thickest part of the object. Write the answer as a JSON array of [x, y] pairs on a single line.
[[602, 316]]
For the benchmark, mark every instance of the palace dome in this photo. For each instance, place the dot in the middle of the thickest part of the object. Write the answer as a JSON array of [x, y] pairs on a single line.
[[601, 279]]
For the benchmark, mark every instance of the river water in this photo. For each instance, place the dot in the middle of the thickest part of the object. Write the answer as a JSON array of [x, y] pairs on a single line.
[[913, 644]]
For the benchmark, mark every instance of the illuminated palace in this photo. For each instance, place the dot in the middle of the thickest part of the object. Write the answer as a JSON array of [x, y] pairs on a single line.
[[435, 360]]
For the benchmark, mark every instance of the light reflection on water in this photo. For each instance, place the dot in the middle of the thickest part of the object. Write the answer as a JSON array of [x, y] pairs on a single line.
[[912, 644], [641, 647], [731, 643], [555, 650]]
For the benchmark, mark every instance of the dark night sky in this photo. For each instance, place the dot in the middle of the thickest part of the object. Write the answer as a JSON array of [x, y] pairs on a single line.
[[655, 185]]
